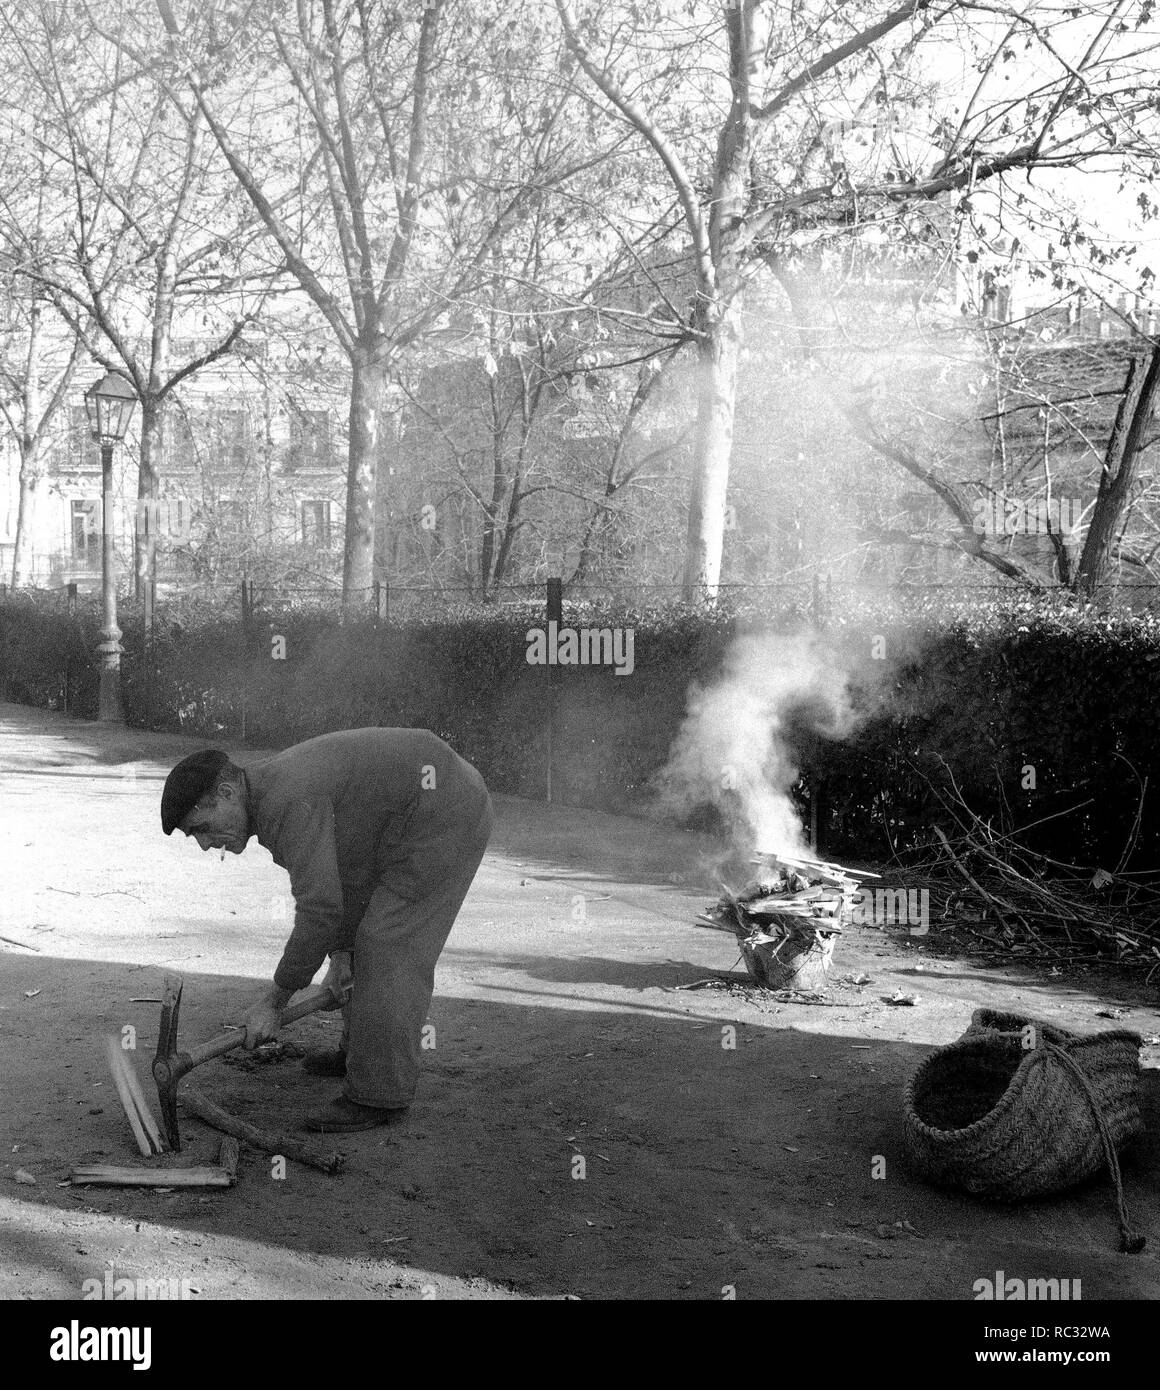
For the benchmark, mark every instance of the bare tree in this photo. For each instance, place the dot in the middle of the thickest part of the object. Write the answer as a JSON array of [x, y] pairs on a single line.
[[546, 354], [36, 368], [1136, 412], [143, 232], [389, 228], [35, 384], [758, 160], [1042, 487]]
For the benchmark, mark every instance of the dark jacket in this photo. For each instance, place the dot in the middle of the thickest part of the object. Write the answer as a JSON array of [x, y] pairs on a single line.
[[347, 811]]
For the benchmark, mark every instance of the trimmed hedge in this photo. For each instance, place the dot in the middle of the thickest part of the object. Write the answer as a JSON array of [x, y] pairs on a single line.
[[970, 699]]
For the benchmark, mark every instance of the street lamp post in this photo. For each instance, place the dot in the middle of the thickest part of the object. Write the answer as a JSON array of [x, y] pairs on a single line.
[[110, 405]]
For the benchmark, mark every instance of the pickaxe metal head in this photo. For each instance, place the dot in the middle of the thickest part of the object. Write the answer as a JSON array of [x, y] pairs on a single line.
[[169, 1065]]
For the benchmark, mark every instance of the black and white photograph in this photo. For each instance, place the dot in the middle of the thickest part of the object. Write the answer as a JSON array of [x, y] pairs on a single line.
[[579, 669]]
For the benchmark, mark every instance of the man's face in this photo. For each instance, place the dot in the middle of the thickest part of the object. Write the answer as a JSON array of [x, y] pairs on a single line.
[[219, 820]]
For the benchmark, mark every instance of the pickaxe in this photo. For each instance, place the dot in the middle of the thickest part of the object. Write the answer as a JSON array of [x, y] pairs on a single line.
[[170, 1065]]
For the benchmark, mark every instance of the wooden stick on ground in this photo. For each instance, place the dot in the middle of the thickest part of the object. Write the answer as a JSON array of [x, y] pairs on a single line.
[[207, 1110], [109, 1175], [150, 1125], [116, 1058]]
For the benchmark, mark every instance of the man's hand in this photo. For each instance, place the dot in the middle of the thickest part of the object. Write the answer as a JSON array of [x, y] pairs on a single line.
[[340, 976], [264, 1017]]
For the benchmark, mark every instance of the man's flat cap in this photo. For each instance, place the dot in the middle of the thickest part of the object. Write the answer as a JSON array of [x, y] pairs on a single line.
[[188, 783]]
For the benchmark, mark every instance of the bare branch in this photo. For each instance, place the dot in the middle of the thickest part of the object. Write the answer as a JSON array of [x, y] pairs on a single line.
[[969, 540], [325, 301], [858, 43], [416, 152], [636, 115]]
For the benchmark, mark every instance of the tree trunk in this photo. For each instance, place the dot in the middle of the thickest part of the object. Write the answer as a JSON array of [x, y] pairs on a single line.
[[588, 543], [716, 406], [499, 486], [491, 519], [1136, 407], [366, 396], [153, 407], [148, 491], [719, 314], [511, 529], [23, 573]]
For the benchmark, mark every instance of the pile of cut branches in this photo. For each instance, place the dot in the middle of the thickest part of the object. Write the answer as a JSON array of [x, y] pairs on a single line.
[[1028, 904]]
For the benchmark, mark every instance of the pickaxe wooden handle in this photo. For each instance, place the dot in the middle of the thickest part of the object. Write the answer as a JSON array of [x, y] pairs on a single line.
[[313, 999], [170, 1065]]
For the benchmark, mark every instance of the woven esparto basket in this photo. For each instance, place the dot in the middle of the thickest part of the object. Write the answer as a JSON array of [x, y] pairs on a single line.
[[793, 952], [998, 1119]]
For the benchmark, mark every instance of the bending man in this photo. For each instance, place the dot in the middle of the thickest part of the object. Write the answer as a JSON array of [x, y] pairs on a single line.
[[381, 831]]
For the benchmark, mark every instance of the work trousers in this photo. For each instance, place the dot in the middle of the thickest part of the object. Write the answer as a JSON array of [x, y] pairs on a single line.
[[396, 946]]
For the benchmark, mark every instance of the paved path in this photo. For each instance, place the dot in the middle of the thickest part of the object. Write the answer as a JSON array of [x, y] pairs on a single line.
[[583, 1125]]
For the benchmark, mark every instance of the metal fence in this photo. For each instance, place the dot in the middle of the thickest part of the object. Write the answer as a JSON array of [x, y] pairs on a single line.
[[818, 598]]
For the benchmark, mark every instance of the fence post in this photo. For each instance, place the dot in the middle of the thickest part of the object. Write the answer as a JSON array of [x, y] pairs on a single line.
[[555, 610], [382, 601], [71, 604]]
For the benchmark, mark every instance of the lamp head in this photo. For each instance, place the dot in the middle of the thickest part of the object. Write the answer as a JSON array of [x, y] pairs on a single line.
[[110, 405]]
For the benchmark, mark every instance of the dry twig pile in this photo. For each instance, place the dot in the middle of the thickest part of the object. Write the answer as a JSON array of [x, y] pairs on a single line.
[[1028, 904]]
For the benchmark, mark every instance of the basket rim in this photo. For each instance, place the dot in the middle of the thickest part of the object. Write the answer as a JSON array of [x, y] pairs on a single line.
[[1033, 1057], [1073, 1037]]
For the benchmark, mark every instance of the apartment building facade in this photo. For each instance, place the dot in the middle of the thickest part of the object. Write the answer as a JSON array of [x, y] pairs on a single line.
[[253, 465]]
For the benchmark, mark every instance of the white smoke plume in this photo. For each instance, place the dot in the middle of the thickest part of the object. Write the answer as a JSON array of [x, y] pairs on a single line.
[[731, 751]]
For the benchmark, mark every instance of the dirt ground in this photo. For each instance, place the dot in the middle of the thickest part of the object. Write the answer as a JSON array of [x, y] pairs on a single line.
[[560, 1035]]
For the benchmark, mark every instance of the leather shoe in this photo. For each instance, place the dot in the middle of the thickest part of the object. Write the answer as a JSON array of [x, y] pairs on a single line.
[[343, 1116]]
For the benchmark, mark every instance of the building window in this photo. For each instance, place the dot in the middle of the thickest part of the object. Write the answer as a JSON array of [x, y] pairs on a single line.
[[231, 516], [309, 440], [180, 445], [233, 431], [179, 518], [86, 530], [84, 453], [996, 298], [316, 524]]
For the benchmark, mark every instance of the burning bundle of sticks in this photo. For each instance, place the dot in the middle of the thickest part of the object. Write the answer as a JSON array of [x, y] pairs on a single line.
[[786, 919]]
